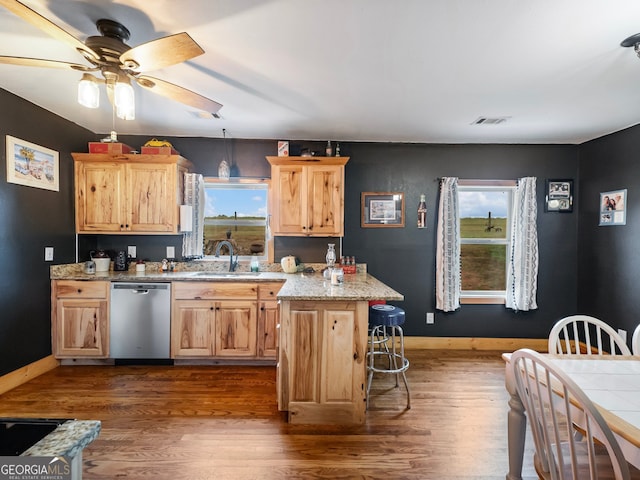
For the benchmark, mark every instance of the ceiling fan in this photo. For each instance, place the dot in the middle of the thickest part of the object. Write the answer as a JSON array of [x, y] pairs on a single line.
[[117, 62]]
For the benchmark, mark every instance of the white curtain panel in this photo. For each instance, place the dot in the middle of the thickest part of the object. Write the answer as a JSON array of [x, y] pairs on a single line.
[[448, 247], [192, 242], [522, 274]]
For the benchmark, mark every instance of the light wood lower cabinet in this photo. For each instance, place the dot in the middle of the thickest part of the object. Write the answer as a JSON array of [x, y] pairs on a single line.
[[80, 319], [223, 320], [321, 362]]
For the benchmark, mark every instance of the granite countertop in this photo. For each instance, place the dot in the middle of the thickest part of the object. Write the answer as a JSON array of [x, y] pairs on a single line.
[[297, 286], [67, 439]]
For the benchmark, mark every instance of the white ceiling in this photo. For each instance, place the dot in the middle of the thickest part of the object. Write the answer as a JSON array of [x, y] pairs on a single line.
[[360, 70]]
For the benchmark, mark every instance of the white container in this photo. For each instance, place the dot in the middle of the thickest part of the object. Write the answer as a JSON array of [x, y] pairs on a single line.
[[102, 264], [140, 267]]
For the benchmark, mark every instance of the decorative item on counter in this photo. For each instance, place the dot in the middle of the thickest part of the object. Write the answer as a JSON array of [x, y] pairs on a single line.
[[422, 212], [90, 267], [172, 265], [348, 265], [158, 147], [337, 276], [283, 149], [330, 257], [329, 149], [255, 265], [101, 259], [140, 266], [289, 264], [164, 267]]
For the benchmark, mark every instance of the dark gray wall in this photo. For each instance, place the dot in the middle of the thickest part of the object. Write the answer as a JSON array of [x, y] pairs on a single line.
[[30, 219], [609, 257]]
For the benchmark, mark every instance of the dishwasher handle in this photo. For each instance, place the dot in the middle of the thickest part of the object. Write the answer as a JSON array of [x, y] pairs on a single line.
[[140, 292]]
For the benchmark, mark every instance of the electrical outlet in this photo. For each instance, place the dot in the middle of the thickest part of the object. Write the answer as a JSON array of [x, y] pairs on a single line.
[[171, 252], [430, 319], [131, 250], [48, 254], [623, 334]]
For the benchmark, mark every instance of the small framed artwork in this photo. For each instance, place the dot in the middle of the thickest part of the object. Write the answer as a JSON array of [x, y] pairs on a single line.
[[382, 209], [559, 196], [613, 208], [32, 165]]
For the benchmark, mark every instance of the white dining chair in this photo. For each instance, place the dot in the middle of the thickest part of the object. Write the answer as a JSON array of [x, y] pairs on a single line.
[[582, 334], [553, 403], [635, 341]]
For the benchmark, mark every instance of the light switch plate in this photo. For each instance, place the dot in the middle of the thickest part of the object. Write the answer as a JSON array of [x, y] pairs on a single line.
[[171, 252], [48, 254], [131, 250]]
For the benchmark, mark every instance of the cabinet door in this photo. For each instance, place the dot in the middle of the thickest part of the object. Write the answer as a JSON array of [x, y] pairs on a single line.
[[268, 320], [290, 199], [192, 328], [236, 323], [325, 199], [99, 197], [151, 197], [81, 328], [322, 361]]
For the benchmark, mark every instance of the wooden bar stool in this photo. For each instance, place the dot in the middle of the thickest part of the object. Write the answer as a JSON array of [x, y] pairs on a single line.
[[385, 321]]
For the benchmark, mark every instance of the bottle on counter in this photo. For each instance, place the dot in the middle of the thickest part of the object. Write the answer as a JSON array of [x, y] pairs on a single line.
[[255, 264], [331, 255], [422, 212]]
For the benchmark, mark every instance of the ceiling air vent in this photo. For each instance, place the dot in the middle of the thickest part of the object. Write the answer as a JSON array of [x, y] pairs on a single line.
[[489, 120]]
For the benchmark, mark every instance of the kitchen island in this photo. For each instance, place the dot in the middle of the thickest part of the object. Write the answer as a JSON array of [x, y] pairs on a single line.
[[321, 375], [322, 334]]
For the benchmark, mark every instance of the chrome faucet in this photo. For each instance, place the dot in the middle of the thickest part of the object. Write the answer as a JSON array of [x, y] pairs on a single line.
[[233, 264]]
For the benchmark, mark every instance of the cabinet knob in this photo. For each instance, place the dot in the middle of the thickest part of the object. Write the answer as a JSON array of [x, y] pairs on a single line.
[[79, 290], [210, 308]]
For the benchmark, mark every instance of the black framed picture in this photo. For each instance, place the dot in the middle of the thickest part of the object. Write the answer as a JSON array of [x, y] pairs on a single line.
[[382, 209], [559, 196]]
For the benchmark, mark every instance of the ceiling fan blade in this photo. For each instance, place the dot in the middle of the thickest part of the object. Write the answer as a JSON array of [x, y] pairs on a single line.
[[46, 25], [160, 53], [179, 94], [38, 62]]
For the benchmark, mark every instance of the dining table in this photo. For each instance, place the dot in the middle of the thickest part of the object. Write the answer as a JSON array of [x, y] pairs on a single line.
[[612, 383]]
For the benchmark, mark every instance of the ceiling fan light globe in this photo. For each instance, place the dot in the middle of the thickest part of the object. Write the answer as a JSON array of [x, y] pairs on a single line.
[[88, 91], [124, 99]]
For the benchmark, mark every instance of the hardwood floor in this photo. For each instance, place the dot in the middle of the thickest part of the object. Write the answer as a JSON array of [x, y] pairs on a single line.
[[222, 422]]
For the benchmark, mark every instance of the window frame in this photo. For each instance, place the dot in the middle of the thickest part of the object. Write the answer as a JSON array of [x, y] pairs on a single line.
[[497, 297], [266, 182]]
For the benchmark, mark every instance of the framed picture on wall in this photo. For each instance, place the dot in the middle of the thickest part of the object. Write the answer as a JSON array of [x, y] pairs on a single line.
[[32, 165], [382, 209], [559, 196], [613, 208]]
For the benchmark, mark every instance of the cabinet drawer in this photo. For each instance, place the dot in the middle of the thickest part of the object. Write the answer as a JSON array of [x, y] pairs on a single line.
[[81, 289], [214, 290], [267, 291]]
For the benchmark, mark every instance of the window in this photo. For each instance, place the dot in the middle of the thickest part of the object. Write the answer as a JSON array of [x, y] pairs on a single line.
[[236, 212], [485, 233]]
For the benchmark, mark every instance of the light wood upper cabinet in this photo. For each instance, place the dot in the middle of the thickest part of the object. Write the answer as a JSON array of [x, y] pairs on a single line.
[[308, 195], [80, 319], [128, 193]]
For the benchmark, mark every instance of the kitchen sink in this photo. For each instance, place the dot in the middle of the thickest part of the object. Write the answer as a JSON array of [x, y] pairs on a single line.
[[226, 274], [19, 434]]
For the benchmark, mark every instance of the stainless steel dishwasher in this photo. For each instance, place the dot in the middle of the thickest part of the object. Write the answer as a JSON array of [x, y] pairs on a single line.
[[140, 320]]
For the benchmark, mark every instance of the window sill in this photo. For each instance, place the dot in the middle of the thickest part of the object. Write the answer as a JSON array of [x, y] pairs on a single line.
[[483, 300]]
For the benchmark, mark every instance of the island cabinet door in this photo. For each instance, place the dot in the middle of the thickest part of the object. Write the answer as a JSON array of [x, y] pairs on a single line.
[[192, 328], [236, 324], [325, 361]]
